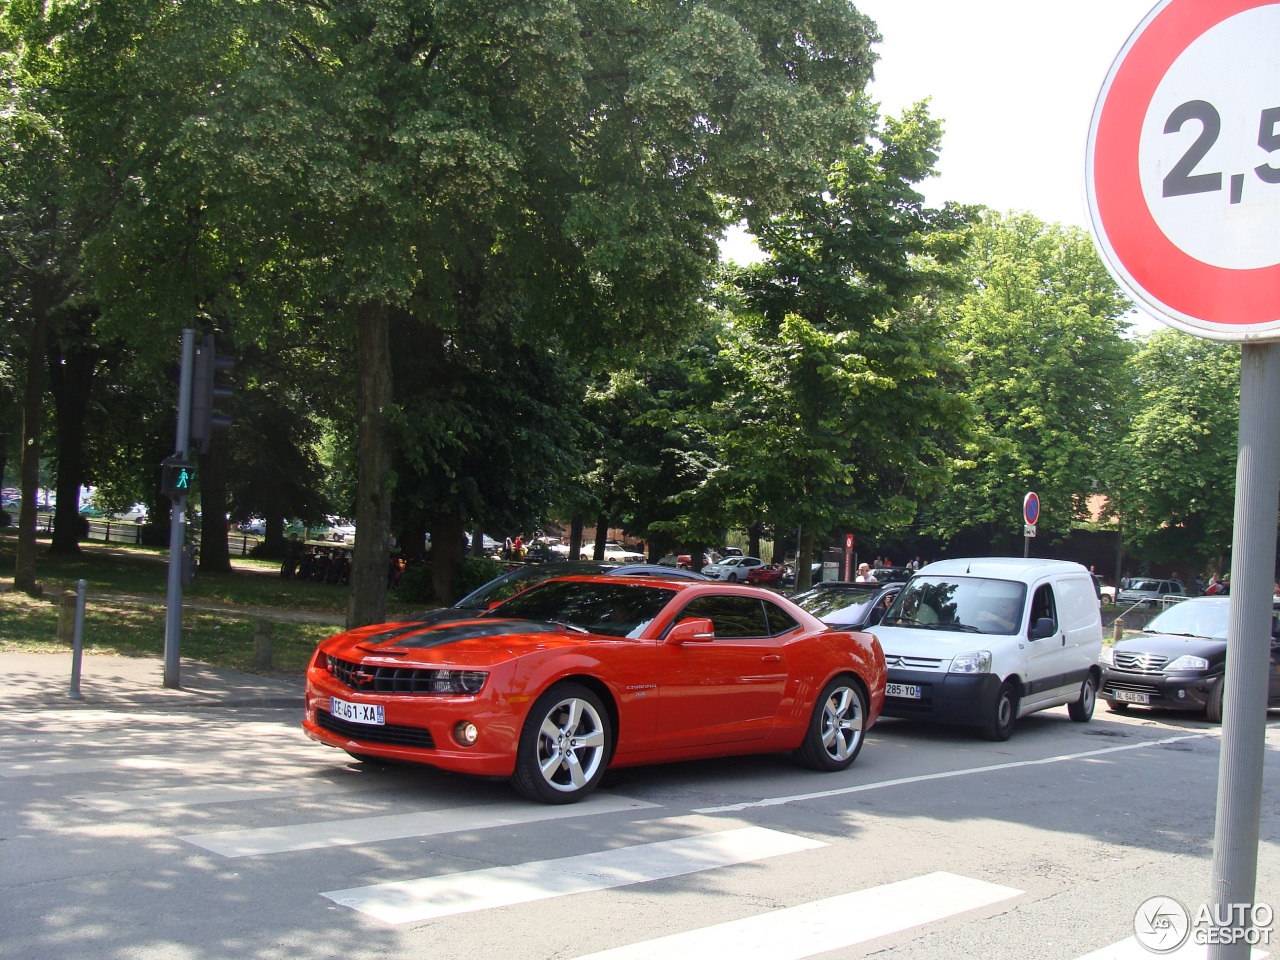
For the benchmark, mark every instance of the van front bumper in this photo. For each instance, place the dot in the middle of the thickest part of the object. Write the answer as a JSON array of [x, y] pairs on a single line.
[[961, 698]]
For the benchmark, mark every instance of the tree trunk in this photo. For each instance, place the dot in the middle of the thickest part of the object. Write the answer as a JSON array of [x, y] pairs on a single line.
[[372, 552], [24, 576], [215, 557], [602, 534], [804, 562], [753, 540], [575, 537], [446, 554], [71, 369]]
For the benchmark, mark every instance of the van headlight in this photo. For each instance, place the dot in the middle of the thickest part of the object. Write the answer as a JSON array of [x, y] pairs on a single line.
[[979, 662]]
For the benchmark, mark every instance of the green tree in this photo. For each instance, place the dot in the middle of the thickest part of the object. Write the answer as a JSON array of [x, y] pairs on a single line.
[[1173, 472], [1038, 331], [837, 409]]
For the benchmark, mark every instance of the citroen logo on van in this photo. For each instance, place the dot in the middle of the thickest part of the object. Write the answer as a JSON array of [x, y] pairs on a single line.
[[893, 661]]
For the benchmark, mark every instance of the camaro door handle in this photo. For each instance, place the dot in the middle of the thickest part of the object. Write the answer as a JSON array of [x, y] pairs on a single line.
[[771, 658]]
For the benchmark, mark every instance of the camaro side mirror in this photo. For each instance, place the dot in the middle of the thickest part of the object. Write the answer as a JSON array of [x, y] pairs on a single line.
[[693, 630], [1044, 627]]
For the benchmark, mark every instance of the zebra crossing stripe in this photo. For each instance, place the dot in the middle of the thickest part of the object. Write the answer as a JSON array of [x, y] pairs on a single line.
[[345, 833], [1131, 949], [148, 799], [410, 901], [822, 925]]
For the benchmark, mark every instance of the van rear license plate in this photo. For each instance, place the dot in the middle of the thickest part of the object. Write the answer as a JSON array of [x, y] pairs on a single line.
[[1128, 696], [908, 691], [370, 713]]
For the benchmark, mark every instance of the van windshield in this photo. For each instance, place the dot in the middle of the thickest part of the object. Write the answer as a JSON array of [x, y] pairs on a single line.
[[965, 604]]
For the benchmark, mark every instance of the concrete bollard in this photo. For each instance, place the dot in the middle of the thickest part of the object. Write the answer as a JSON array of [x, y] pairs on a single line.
[[67, 617], [1117, 630], [263, 630]]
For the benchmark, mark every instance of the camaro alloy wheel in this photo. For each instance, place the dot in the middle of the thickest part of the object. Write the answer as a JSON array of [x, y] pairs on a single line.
[[836, 728], [564, 745]]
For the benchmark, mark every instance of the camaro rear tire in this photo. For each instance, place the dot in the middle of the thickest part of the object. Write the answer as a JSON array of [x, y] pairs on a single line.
[[1004, 714], [564, 746], [837, 727], [1081, 711]]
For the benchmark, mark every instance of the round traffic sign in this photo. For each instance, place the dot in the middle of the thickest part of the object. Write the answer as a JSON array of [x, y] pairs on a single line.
[[1183, 167], [1031, 508]]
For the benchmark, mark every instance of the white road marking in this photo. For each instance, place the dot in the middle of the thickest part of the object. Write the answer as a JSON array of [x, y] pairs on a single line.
[[410, 901], [823, 925], [967, 771], [186, 762], [343, 833], [1131, 949]]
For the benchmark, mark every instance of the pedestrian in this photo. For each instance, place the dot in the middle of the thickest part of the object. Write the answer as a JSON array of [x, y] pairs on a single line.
[[864, 574], [1214, 588]]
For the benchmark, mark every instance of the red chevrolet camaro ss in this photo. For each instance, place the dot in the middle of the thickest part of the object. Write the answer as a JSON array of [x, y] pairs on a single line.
[[579, 674]]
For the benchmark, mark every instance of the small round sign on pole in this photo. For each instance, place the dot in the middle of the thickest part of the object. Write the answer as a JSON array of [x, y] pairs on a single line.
[[1030, 514]]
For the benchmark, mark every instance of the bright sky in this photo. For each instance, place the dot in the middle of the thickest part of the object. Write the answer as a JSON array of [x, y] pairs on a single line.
[[1014, 83]]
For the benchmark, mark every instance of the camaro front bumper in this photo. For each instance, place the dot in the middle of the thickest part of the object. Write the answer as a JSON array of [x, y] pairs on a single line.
[[417, 728]]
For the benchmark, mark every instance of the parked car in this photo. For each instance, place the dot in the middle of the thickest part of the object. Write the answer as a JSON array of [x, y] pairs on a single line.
[[766, 575], [789, 574], [1180, 660], [732, 569], [984, 641], [576, 675], [613, 553], [848, 605], [1149, 591], [891, 574]]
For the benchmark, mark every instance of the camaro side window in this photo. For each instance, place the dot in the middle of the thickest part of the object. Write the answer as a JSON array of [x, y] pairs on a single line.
[[779, 620], [733, 617]]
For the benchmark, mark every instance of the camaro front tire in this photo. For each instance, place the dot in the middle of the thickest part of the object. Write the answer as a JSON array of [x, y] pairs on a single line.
[[837, 727], [564, 746]]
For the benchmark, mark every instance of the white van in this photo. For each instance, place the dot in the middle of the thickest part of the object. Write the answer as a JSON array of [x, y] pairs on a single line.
[[982, 642]]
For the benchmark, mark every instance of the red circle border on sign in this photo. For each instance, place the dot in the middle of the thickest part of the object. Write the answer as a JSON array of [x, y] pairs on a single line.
[[1209, 298]]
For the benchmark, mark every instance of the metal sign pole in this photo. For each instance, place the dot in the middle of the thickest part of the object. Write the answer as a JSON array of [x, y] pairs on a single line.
[[1253, 570], [177, 522]]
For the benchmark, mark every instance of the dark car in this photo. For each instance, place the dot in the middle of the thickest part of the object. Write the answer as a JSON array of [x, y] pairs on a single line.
[[523, 577], [1179, 661], [892, 574], [848, 605]]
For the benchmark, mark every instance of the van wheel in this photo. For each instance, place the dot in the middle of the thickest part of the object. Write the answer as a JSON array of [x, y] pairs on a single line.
[[1081, 711], [1004, 714], [1118, 706], [1213, 706]]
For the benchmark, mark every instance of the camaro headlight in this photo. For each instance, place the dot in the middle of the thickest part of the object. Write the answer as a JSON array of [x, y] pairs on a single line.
[[1107, 656], [979, 662], [1187, 664], [457, 681]]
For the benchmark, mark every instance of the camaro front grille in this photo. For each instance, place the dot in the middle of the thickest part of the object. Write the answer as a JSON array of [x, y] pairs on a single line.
[[390, 734], [371, 678], [1140, 662]]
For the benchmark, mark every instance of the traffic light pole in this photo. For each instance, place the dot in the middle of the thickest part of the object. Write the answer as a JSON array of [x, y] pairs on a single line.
[[177, 523]]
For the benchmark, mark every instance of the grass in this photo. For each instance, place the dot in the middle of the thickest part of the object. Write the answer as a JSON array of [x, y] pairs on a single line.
[[137, 628]]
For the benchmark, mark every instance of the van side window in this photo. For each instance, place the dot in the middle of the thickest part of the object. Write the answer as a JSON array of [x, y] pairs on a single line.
[[1042, 605]]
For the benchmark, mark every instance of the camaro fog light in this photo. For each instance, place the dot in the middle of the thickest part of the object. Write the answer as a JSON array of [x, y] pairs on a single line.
[[466, 732]]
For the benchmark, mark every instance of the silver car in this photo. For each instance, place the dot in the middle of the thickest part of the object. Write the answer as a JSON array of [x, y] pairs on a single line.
[[732, 569], [1149, 591]]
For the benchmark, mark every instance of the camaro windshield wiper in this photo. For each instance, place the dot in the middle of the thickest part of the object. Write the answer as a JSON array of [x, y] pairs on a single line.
[[569, 626]]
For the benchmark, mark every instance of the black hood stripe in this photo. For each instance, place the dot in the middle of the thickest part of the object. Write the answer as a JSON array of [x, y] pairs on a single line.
[[424, 637]]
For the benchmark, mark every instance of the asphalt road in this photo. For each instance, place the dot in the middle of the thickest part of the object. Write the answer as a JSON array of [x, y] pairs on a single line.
[[194, 832]]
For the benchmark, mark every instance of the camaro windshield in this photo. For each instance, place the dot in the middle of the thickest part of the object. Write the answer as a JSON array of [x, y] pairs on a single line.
[[967, 604], [611, 609]]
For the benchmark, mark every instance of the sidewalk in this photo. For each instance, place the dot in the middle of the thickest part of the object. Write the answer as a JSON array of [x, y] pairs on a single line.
[[43, 680]]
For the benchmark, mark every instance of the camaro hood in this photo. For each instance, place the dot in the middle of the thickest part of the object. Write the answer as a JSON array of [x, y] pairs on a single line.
[[1173, 647], [471, 643]]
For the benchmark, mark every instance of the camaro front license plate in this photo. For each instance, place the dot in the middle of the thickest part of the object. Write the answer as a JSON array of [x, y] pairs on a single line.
[[908, 691], [1129, 696], [370, 713]]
